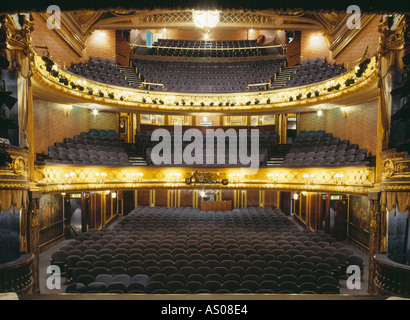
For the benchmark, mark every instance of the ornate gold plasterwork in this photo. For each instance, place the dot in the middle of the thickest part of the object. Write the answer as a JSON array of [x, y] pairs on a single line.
[[19, 166], [387, 168], [172, 102], [395, 171], [63, 178], [15, 174]]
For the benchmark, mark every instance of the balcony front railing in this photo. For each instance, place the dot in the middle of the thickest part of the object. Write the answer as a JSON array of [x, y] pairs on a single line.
[[391, 278]]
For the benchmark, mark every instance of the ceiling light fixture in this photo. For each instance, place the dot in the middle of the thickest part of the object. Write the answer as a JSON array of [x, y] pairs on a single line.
[[205, 19]]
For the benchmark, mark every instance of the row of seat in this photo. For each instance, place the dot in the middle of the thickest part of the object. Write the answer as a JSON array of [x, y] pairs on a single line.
[[317, 148], [314, 70], [96, 147], [267, 143], [101, 70], [207, 252], [186, 48], [208, 77]]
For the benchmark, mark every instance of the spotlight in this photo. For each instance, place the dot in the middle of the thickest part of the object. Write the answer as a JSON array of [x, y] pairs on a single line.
[[317, 93], [202, 104], [90, 92], [309, 94], [299, 96], [73, 85], [248, 103], [211, 104], [101, 94], [290, 98], [111, 95], [161, 102], [176, 103], [144, 100], [191, 103], [256, 101], [267, 101]]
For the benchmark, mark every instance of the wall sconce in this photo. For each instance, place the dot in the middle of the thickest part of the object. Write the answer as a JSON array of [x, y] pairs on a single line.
[[308, 177], [273, 177], [235, 177], [174, 177], [113, 195], [344, 110], [339, 178], [101, 177], [295, 196], [320, 113], [69, 177], [95, 112], [137, 177], [67, 109]]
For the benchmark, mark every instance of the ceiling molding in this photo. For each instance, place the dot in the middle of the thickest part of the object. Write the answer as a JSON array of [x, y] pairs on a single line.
[[75, 30]]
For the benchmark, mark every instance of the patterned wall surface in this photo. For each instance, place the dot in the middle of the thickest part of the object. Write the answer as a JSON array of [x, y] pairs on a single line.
[[359, 126], [314, 45], [53, 123]]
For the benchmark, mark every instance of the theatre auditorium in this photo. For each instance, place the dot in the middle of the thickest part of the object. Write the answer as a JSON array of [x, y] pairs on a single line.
[[161, 151]]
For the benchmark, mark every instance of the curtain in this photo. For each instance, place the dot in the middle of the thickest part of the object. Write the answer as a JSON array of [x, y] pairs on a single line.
[[13, 198], [390, 200], [23, 98]]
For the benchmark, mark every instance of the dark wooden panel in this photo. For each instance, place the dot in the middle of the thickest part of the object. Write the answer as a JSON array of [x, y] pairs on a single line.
[[271, 198], [253, 198], [143, 197], [185, 198], [216, 205], [98, 209], [161, 197], [228, 195], [108, 209]]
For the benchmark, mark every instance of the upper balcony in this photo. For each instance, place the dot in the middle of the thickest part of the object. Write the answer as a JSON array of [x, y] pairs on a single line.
[[351, 87]]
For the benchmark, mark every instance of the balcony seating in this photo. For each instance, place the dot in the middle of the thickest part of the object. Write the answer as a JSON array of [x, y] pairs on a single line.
[[101, 70], [267, 143], [161, 250], [216, 49], [96, 147], [317, 148], [208, 77], [314, 70]]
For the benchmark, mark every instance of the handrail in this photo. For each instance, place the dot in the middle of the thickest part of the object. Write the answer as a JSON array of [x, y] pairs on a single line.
[[391, 277], [199, 48], [16, 276]]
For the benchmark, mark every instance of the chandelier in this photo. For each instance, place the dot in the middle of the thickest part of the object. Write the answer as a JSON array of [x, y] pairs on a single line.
[[205, 19]]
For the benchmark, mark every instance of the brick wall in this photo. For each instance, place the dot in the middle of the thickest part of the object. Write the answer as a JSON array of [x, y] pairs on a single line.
[[99, 44], [360, 125], [122, 49], [42, 36], [293, 50], [314, 45], [51, 124], [369, 36]]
